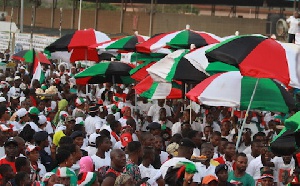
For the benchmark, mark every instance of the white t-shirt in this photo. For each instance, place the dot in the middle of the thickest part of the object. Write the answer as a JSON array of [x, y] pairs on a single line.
[[99, 162], [172, 162], [203, 171], [151, 173], [282, 170], [253, 168], [92, 124], [294, 27], [154, 112], [91, 150], [164, 156]]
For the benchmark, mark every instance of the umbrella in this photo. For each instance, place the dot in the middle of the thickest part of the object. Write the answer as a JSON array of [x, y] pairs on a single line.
[[177, 39], [287, 141], [172, 68], [259, 57], [114, 72], [158, 90], [140, 72], [78, 43], [29, 55], [127, 43], [231, 89]]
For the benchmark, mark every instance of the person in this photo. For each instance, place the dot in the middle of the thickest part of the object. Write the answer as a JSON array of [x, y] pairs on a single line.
[[267, 178], [228, 157], [118, 162], [115, 131], [23, 179], [135, 153], [124, 180], [4, 135], [185, 151], [293, 22], [86, 164], [221, 172], [154, 128], [23, 165], [93, 121], [2, 18], [158, 145], [282, 169], [91, 148], [255, 150], [38, 169], [67, 131], [7, 174], [153, 113], [102, 157], [11, 150], [196, 136], [49, 179], [147, 170], [215, 140], [239, 175]]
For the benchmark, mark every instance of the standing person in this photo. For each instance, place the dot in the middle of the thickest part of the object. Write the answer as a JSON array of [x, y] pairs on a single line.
[[118, 162], [267, 178], [93, 121], [11, 151], [239, 175], [222, 173], [102, 157], [228, 157], [158, 146], [153, 113], [293, 22], [135, 153], [69, 125], [38, 169]]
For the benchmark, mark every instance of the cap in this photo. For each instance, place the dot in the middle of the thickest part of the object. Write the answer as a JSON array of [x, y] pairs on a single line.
[[221, 167], [40, 136], [42, 119], [93, 108], [2, 99], [92, 139], [17, 78], [185, 142], [153, 126], [76, 134], [209, 178], [30, 148], [5, 128], [11, 141], [21, 112], [49, 110], [267, 174], [15, 96], [63, 172], [79, 121], [69, 118], [125, 139], [79, 101], [22, 68], [34, 111]]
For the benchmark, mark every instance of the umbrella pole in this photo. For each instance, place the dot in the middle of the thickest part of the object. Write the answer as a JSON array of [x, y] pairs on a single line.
[[190, 107], [246, 115]]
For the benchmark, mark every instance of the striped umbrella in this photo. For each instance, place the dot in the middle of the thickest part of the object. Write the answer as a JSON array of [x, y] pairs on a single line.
[[178, 39], [30, 55], [140, 72], [231, 89], [157, 90], [258, 56]]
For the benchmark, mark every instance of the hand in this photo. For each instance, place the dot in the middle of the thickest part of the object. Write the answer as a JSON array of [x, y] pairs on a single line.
[[188, 177], [53, 148]]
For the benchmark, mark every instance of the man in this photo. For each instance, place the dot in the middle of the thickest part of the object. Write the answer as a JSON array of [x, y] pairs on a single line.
[[93, 121], [293, 22], [21, 146], [206, 166], [185, 151], [154, 128], [11, 150], [215, 140], [209, 121], [239, 175], [91, 148], [222, 173], [118, 162], [183, 127], [41, 139], [153, 113], [69, 125], [255, 150], [4, 135], [102, 157], [228, 156], [158, 146], [196, 136]]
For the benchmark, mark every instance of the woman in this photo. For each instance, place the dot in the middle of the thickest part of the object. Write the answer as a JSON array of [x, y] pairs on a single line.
[[38, 169], [65, 161], [49, 179]]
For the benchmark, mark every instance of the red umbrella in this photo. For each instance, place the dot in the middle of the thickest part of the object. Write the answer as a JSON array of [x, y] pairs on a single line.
[[29, 55]]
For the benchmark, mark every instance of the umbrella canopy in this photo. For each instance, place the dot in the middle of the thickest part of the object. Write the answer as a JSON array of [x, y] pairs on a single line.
[[140, 72], [172, 68], [114, 72], [257, 56], [29, 55], [288, 140], [78, 43], [156, 90], [177, 39], [231, 89]]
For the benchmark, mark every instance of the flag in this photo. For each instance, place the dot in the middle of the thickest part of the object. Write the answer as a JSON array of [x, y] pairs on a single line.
[[37, 70]]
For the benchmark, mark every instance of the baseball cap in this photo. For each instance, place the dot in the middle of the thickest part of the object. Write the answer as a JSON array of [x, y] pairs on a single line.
[[40, 136], [153, 126], [17, 78], [209, 178], [185, 142], [30, 148], [69, 118], [79, 101], [2, 99], [21, 112], [92, 139], [42, 120], [125, 139], [15, 96], [34, 111], [10, 141], [79, 121], [221, 167]]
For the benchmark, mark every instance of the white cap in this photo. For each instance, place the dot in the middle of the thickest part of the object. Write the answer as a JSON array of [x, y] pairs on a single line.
[[21, 112], [79, 120], [42, 119], [92, 139], [17, 77], [2, 99], [22, 67]]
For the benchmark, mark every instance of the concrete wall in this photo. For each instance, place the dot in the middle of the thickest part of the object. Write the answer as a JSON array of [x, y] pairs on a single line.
[[109, 22]]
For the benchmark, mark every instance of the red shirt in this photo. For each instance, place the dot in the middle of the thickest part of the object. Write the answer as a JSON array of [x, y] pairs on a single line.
[[12, 164]]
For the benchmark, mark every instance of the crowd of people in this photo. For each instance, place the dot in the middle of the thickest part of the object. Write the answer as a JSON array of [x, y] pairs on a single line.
[[107, 135]]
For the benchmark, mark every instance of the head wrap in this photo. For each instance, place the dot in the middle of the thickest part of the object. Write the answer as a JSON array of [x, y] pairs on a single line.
[[87, 179], [86, 164], [62, 105], [122, 179]]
